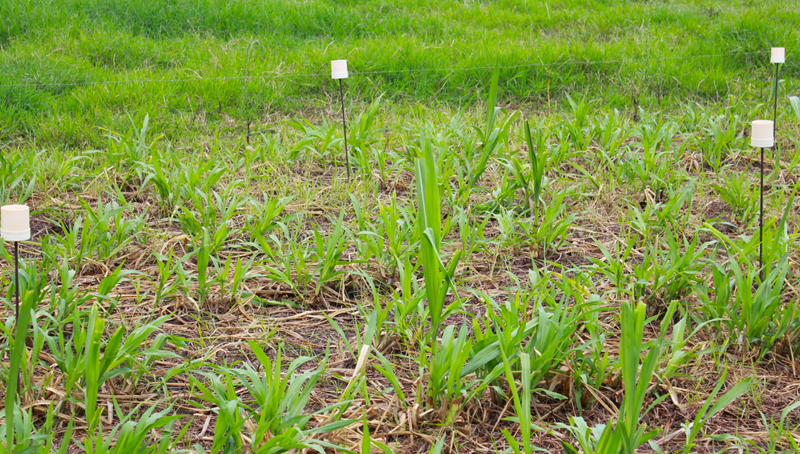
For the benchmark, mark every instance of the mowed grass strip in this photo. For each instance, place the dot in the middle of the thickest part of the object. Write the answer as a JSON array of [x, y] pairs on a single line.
[[72, 70]]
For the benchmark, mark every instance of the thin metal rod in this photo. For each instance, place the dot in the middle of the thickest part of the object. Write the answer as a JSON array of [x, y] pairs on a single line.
[[761, 220], [16, 282], [775, 76], [775, 99], [344, 127]]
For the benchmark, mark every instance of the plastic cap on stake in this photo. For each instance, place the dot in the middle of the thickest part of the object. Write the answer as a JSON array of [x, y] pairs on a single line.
[[15, 223], [339, 69], [762, 136], [778, 55]]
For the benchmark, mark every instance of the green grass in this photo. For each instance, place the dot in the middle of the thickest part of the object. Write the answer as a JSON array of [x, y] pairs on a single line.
[[431, 54]]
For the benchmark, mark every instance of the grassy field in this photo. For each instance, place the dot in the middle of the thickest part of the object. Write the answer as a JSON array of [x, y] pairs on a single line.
[[549, 240], [72, 70]]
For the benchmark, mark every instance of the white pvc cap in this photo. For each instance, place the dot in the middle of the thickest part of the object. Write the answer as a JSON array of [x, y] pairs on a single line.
[[778, 55], [762, 134], [339, 69], [15, 223]]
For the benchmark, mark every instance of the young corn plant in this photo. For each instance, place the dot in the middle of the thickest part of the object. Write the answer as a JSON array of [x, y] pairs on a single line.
[[777, 431], [448, 358], [707, 411], [231, 276], [522, 404], [648, 171], [328, 255], [287, 261], [549, 232], [212, 212], [678, 355], [593, 365], [317, 140], [741, 194], [628, 433], [273, 418], [103, 235], [491, 138], [408, 308], [719, 140], [580, 130], [533, 180], [81, 359], [472, 234], [759, 317], [613, 266], [387, 239], [33, 437], [183, 179], [531, 346], [265, 220], [668, 273], [15, 183], [446, 389], [136, 435], [125, 151], [637, 372], [30, 296], [164, 288], [362, 137], [438, 278], [510, 331]]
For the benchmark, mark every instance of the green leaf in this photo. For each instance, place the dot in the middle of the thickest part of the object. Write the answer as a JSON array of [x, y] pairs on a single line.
[[728, 398], [437, 448], [795, 102]]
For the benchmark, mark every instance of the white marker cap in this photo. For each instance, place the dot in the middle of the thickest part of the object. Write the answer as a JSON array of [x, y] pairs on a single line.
[[15, 223], [778, 55], [339, 69], [762, 136]]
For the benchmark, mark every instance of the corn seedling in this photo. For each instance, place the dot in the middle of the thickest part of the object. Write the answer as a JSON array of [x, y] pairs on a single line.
[[446, 390], [668, 273], [273, 418], [437, 279], [741, 194], [626, 434], [38, 440], [579, 130], [131, 435], [759, 317], [491, 138], [328, 255], [636, 378], [550, 231], [265, 220], [718, 141], [29, 300], [362, 137], [15, 184], [778, 431], [708, 410], [317, 140]]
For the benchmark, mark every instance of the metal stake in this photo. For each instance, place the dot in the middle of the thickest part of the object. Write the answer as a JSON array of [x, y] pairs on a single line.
[[761, 220], [776, 74], [775, 98], [16, 282], [344, 127]]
